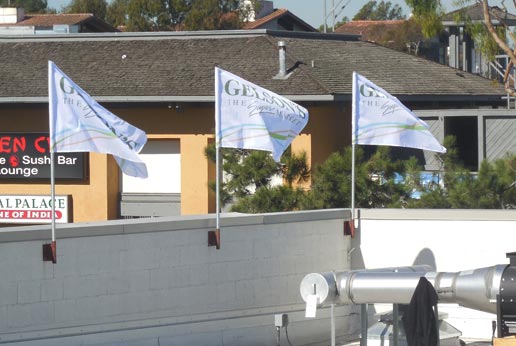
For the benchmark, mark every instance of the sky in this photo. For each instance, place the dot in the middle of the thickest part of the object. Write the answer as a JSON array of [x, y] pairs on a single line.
[[312, 11]]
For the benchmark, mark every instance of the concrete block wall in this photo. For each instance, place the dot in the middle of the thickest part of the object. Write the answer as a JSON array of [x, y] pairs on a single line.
[[156, 282]]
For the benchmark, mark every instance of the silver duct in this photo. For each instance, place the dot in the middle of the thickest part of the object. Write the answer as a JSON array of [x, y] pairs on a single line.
[[476, 289]]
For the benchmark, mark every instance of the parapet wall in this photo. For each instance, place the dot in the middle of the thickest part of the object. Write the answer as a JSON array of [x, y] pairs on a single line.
[[156, 282]]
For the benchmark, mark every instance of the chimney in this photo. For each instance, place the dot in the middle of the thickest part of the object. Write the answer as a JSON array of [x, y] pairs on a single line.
[[282, 48]]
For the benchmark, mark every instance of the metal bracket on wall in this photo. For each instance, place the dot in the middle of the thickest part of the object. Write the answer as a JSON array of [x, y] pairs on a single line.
[[49, 252], [214, 238], [349, 228]]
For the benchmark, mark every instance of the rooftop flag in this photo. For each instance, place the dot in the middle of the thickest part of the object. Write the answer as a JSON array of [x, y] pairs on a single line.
[[381, 119], [79, 124], [250, 117]]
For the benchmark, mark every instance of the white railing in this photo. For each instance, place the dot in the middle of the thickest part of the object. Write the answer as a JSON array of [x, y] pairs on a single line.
[[497, 69]]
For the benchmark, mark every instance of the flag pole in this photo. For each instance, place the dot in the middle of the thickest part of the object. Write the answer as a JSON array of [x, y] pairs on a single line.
[[217, 192], [353, 183], [214, 237], [354, 107], [53, 206], [53, 245]]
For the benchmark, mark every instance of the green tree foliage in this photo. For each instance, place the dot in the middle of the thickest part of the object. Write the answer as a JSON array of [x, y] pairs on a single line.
[[248, 176], [212, 15], [380, 182], [97, 7], [176, 15], [30, 6], [408, 33], [147, 15], [479, 33], [383, 10], [429, 14], [116, 13], [376, 183]]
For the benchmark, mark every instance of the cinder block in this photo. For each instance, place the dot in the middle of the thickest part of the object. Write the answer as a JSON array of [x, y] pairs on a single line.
[[3, 318], [244, 292], [225, 292], [42, 313], [25, 315], [29, 292], [8, 292], [205, 339], [117, 282], [65, 311], [139, 258], [139, 280], [88, 286], [52, 290], [95, 308]]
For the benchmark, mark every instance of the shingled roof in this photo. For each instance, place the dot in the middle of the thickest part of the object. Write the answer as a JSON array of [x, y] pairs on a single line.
[[179, 66]]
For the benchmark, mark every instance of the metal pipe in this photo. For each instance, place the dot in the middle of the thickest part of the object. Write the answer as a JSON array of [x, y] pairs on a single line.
[[475, 289], [282, 45]]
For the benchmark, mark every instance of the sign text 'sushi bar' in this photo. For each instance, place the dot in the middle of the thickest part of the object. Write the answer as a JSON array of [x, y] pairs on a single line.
[[27, 156]]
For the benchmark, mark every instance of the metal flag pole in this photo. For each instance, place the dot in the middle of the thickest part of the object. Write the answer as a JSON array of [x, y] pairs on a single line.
[[353, 183], [53, 206], [49, 251], [217, 193], [214, 236], [353, 144]]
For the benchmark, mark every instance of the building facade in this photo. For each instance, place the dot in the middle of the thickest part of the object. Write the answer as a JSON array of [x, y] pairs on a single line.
[[163, 83]]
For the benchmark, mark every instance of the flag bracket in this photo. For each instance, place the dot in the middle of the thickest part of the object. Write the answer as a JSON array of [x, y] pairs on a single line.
[[214, 238], [49, 252], [349, 228]]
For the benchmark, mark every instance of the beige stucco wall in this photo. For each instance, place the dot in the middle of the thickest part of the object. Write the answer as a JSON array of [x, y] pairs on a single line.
[[97, 198]]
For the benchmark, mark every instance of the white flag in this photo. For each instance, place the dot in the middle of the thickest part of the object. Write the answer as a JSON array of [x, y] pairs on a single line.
[[250, 117], [381, 119], [79, 124]]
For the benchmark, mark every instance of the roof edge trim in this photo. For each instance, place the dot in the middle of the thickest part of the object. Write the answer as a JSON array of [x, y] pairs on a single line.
[[108, 36], [140, 99]]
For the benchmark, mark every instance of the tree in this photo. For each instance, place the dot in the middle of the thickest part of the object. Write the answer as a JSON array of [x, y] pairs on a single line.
[[399, 37], [213, 15], [376, 181], [30, 6], [147, 15], [177, 15], [116, 13], [429, 14], [500, 39], [249, 175], [373, 10], [97, 7], [380, 181]]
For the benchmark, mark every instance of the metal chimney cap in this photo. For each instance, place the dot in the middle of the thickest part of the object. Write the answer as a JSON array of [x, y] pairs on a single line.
[[282, 44]]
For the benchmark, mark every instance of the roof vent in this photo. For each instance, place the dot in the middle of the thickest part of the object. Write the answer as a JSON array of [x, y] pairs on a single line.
[[282, 73]]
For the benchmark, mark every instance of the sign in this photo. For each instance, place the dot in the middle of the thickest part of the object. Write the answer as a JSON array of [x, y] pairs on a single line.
[[27, 156], [33, 209]]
